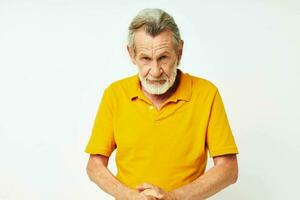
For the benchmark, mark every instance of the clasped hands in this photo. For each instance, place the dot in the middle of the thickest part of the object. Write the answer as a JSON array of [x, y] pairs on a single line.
[[148, 191]]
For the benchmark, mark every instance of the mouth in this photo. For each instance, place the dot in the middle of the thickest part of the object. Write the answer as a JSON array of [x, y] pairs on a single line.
[[156, 81]]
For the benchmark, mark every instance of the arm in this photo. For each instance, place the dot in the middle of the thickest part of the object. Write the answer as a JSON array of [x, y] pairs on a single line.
[[224, 173], [99, 174]]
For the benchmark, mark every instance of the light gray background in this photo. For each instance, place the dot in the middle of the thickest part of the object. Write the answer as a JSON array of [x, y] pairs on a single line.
[[56, 58]]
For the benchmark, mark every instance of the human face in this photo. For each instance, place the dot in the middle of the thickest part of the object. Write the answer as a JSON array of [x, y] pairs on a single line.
[[158, 86], [156, 59]]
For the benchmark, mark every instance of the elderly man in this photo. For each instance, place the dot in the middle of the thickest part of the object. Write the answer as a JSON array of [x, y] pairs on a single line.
[[162, 122]]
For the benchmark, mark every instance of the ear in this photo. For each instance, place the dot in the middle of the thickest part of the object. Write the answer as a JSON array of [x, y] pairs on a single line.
[[180, 49], [131, 54]]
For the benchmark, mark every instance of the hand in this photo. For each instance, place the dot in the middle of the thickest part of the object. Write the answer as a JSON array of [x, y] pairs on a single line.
[[155, 191], [135, 195]]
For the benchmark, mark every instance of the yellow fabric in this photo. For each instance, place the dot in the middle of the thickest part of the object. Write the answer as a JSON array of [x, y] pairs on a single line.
[[166, 147]]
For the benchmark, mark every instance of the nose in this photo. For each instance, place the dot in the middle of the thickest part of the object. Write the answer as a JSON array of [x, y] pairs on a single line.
[[156, 70]]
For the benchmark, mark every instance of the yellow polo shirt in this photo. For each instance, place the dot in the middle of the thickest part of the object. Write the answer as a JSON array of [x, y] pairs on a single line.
[[166, 147]]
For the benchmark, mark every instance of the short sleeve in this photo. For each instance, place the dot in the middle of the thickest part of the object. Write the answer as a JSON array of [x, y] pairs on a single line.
[[219, 137], [102, 138]]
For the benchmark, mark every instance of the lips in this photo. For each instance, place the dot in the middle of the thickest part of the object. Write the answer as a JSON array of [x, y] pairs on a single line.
[[156, 81]]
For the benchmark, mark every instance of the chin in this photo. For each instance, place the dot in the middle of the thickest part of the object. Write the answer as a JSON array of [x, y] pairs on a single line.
[[156, 90]]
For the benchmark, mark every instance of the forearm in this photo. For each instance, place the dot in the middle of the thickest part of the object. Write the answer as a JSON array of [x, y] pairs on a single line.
[[102, 177], [214, 180]]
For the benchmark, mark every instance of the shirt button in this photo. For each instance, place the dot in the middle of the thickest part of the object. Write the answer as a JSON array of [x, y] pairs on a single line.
[[150, 107]]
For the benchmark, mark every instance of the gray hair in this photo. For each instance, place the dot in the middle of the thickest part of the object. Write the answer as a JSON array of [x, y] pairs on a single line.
[[154, 22]]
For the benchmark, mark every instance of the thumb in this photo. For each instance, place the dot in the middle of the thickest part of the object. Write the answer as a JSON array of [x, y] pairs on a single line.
[[143, 186], [140, 188]]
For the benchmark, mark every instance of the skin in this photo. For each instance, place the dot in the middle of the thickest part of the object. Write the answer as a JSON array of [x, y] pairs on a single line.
[[155, 56], [99, 174], [224, 173]]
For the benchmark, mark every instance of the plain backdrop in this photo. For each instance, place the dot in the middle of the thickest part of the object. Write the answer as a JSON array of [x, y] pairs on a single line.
[[57, 57]]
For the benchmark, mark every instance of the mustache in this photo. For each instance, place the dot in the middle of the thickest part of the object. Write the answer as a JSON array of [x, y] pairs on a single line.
[[163, 78], [156, 79]]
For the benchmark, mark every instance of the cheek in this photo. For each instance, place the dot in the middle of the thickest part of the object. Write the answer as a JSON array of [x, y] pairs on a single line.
[[143, 71], [169, 70]]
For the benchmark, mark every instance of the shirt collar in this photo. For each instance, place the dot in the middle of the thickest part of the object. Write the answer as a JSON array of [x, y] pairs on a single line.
[[182, 92]]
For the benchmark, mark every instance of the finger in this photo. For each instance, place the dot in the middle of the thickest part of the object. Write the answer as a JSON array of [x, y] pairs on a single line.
[[151, 198], [152, 192], [144, 186], [148, 185], [149, 192], [159, 192], [141, 188]]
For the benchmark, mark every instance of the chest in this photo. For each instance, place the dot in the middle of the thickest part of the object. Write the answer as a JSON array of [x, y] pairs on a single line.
[[140, 127]]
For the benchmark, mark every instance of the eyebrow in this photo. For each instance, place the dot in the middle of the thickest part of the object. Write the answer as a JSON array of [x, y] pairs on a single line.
[[145, 55], [164, 52]]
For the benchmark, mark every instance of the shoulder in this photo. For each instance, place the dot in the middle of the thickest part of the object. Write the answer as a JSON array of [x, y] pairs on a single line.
[[201, 84], [125, 85]]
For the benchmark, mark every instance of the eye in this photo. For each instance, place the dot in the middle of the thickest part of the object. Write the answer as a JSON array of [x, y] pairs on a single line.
[[162, 57], [145, 58]]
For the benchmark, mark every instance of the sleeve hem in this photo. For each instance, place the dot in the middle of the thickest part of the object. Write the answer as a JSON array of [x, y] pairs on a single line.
[[223, 151], [102, 151]]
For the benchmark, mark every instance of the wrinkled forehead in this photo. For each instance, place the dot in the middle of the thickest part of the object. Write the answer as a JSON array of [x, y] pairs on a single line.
[[146, 43]]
